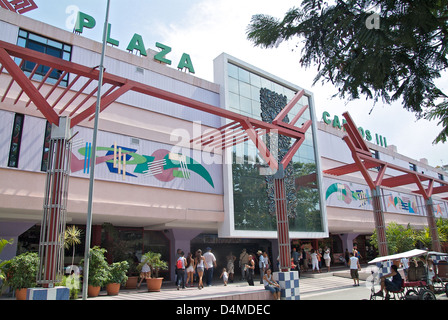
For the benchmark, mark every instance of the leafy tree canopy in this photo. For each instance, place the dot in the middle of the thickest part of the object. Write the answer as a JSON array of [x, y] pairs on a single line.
[[382, 49]]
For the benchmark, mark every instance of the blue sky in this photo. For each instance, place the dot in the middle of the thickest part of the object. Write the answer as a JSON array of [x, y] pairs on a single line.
[[206, 28]]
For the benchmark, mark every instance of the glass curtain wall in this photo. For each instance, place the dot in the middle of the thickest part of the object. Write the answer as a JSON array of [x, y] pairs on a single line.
[[254, 209]]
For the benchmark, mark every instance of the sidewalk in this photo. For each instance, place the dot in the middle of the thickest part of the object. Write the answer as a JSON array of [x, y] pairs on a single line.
[[334, 285]]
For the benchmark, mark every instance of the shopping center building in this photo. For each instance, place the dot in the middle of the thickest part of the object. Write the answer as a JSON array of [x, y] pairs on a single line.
[[158, 186]]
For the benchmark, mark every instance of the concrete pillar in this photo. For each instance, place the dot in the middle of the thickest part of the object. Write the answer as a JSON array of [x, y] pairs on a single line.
[[347, 240], [12, 230], [180, 239]]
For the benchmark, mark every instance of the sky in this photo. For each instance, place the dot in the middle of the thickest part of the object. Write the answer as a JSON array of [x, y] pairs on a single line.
[[206, 28]]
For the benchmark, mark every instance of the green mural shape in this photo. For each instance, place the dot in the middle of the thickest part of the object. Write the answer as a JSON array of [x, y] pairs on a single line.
[[191, 165]]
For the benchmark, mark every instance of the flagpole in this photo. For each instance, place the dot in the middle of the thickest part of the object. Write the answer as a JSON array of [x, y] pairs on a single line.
[[93, 160]]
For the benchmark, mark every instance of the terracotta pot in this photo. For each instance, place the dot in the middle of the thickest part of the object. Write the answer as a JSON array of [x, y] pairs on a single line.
[[93, 291], [131, 283], [154, 284], [113, 289], [21, 294]]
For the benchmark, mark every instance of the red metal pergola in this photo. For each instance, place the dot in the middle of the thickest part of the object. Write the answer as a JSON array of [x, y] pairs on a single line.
[[80, 107], [363, 161]]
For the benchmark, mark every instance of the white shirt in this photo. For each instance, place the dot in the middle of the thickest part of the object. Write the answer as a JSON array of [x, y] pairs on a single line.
[[209, 259], [261, 263], [146, 268], [353, 263], [405, 263]]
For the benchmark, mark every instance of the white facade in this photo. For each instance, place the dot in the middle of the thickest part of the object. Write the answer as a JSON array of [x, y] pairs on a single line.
[[181, 200]]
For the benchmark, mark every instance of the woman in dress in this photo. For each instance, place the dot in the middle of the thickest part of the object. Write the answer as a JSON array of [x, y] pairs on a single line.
[[200, 265], [231, 266], [190, 269]]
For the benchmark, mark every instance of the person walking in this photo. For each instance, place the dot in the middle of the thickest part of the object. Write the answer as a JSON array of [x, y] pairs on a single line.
[[347, 257], [295, 257], [190, 269], [180, 270], [327, 258], [354, 269], [200, 267], [231, 266], [304, 260], [250, 270], [244, 258], [210, 263], [267, 261], [314, 260], [144, 274], [224, 276], [261, 265]]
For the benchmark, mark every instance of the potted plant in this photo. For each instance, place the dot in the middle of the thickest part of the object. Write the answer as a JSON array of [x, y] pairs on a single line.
[[132, 281], [21, 272], [155, 262], [116, 277], [98, 270]]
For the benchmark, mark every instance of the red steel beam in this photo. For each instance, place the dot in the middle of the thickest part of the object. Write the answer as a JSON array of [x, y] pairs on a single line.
[[282, 114], [28, 87], [353, 133]]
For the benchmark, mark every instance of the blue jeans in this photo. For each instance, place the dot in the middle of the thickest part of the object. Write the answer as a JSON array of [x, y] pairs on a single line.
[[208, 276], [180, 277]]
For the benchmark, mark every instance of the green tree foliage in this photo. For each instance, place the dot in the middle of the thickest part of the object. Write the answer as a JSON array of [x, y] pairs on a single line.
[[399, 239], [398, 56], [424, 236]]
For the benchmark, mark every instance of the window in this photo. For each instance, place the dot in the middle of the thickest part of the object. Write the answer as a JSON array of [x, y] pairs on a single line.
[[14, 151], [46, 149], [41, 44], [412, 166], [375, 154]]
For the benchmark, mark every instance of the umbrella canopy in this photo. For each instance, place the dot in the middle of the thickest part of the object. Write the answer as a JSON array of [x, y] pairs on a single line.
[[406, 254]]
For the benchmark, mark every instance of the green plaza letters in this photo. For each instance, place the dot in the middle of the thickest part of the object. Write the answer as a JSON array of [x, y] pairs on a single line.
[[135, 44]]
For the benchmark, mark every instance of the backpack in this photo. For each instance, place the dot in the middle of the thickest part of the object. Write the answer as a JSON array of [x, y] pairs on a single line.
[[180, 264]]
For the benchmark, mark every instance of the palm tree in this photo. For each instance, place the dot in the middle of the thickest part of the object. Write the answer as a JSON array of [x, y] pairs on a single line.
[[71, 238]]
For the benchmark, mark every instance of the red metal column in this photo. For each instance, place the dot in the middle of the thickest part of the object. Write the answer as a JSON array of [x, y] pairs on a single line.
[[282, 221], [432, 225], [51, 245], [380, 225]]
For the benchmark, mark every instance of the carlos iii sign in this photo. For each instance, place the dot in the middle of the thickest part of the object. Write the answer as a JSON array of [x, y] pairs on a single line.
[[366, 134]]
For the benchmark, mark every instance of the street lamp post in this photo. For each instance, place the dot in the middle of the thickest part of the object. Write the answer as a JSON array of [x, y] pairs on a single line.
[[93, 159]]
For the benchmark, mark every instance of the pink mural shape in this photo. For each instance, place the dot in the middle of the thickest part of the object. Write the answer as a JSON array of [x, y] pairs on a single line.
[[166, 175]]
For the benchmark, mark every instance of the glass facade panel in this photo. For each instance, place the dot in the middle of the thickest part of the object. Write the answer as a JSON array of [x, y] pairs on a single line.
[[253, 193], [16, 140], [51, 47]]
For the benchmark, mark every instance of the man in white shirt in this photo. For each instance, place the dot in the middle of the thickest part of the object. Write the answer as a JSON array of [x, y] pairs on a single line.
[[354, 267], [261, 265], [210, 263]]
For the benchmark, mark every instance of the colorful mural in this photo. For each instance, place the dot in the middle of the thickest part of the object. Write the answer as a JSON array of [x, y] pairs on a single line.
[[161, 164], [357, 196], [344, 194], [401, 203]]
